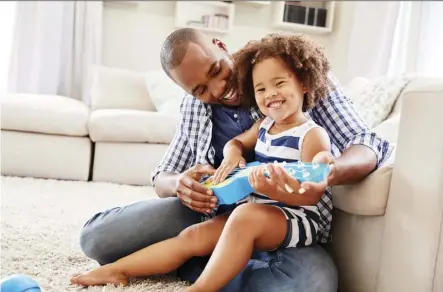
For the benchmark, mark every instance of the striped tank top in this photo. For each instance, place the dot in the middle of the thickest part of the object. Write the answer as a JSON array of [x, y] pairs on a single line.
[[284, 146]]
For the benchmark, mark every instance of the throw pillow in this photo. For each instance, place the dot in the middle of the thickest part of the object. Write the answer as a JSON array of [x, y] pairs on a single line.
[[115, 88], [165, 93], [375, 98]]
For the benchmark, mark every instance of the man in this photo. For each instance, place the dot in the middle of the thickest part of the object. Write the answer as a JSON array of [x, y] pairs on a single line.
[[212, 115]]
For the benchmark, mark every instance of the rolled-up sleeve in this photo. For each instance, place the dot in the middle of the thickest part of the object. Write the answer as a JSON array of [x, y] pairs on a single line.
[[178, 157], [345, 126]]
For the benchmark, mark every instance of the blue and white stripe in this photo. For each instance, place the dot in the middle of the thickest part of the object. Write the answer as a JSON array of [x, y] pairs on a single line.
[[285, 146], [303, 221]]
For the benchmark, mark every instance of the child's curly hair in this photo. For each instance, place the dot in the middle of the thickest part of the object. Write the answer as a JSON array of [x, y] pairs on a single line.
[[302, 56]]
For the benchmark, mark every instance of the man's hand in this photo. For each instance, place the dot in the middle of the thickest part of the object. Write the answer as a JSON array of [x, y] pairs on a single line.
[[192, 193], [227, 166]]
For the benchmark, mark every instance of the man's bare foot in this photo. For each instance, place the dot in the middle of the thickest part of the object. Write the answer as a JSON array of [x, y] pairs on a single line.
[[101, 276]]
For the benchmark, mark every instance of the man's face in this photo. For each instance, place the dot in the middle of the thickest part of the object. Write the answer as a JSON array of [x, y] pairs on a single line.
[[206, 72]]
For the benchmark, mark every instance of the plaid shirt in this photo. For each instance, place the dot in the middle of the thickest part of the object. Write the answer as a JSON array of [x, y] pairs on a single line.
[[191, 144]]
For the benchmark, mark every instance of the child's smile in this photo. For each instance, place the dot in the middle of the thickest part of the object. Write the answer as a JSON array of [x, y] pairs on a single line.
[[275, 104]]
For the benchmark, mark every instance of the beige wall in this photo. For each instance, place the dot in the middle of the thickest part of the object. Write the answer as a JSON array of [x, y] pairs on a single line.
[[133, 36]]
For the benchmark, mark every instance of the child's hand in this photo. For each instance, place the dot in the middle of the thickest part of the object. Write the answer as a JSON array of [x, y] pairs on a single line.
[[313, 190], [226, 167], [261, 183]]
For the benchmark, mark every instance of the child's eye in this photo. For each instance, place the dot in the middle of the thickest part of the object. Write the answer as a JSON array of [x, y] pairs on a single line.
[[280, 83], [260, 90]]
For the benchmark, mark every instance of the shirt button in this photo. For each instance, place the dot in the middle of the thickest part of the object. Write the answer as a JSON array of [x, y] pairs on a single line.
[[235, 116]]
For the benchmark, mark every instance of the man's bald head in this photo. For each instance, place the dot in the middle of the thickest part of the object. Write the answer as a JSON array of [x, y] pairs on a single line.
[[199, 66], [175, 46]]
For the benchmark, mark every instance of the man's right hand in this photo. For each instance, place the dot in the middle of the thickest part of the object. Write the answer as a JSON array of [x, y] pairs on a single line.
[[192, 193]]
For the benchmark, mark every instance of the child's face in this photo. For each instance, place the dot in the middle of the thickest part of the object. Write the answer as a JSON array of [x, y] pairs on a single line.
[[277, 91]]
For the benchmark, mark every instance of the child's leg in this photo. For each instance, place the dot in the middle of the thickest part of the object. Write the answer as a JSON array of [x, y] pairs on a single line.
[[160, 258], [250, 226]]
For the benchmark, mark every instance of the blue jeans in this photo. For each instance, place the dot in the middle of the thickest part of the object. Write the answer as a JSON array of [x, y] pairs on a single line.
[[120, 231]]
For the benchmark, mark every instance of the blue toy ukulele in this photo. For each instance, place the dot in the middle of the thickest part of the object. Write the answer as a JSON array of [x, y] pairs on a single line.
[[236, 186]]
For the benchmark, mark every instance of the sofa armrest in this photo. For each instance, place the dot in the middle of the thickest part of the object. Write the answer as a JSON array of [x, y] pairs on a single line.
[[414, 213], [368, 197]]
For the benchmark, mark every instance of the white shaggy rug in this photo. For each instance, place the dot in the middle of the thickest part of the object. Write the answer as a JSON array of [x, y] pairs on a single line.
[[40, 225]]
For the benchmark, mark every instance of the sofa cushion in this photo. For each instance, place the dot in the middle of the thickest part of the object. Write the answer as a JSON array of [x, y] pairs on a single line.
[[388, 129], [165, 93], [370, 196], [374, 98], [133, 167], [45, 156], [120, 125], [48, 114], [115, 88]]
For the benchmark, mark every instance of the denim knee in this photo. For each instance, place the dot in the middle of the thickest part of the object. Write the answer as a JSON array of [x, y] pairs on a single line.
[[89, 243]]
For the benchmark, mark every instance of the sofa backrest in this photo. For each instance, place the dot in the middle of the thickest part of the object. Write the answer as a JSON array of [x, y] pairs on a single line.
[[115, 88], [415, 87]]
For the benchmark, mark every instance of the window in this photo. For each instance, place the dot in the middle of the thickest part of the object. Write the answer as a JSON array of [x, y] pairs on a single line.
[[430, 40], [7, 20]]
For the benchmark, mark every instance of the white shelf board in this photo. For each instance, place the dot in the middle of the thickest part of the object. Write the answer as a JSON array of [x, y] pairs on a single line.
[[296, 27], [211, 3], [207, 29], [121, 4], [255, 3]]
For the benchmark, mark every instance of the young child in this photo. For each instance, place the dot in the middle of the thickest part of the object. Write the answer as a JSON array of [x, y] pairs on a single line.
[[287, 75]]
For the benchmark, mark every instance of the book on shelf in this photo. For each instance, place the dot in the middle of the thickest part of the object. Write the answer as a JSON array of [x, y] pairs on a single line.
[[216, 21]]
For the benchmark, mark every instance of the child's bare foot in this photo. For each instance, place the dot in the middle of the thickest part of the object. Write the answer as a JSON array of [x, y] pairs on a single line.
[[101, 276], [194, 288]]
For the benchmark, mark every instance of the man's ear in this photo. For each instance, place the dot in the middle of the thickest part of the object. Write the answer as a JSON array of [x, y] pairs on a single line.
[[220, 44]]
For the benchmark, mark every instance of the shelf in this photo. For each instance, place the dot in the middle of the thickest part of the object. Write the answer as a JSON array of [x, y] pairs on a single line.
[[121, 3], [303, 28], [305, 17], [255, 3], [215, 30], [209, 16]]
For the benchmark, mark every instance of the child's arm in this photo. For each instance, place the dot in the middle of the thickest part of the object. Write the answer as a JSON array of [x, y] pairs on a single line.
[[315, 141], [234, 151]]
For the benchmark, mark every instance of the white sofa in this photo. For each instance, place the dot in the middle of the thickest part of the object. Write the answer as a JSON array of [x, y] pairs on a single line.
[[129, 134], [387, 230], [45, 136]]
